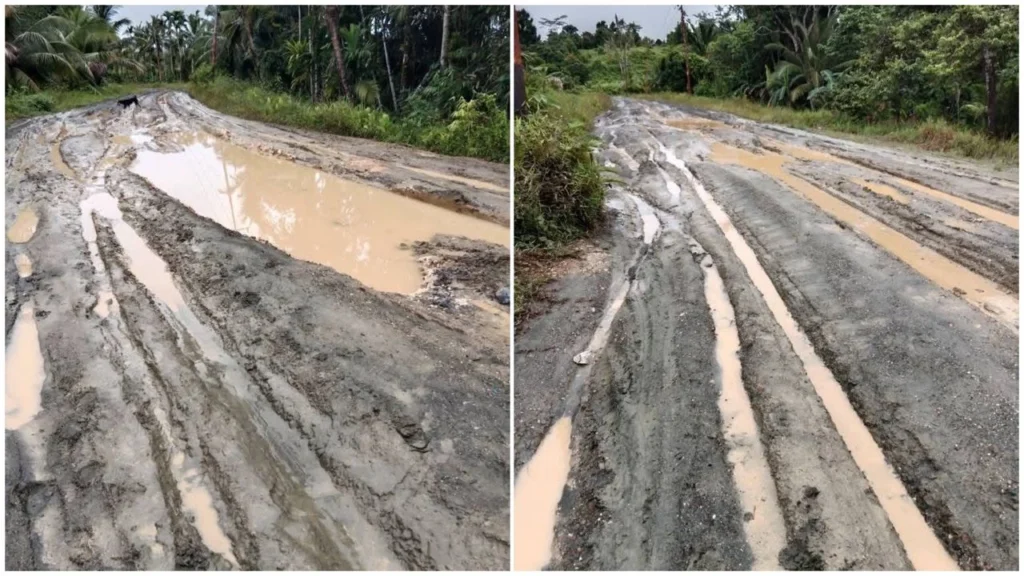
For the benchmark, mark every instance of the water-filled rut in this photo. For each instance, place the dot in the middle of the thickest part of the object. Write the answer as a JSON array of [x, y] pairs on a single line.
[[230, 354], [797, 372]]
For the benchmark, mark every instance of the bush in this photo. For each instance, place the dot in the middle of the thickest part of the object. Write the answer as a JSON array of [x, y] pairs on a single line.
[[477, 127], [203, 74], [671, 72], [20, 105], [559, 186]]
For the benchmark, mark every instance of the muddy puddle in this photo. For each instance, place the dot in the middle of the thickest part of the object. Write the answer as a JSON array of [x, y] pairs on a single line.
[[24, 265], [356, 229], [195, 498], [24, 226], [923, 548], [538, 490], [983, 211], [882, 190], [992, 214], [695, 123], [764, 528], [460, 179], [973, 288], [24, 371], [58, 162]]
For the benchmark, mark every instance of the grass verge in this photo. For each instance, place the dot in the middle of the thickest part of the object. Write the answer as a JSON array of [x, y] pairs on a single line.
[[559, 185], [559, 193], [478, 128], [931, 135], [28, 104]]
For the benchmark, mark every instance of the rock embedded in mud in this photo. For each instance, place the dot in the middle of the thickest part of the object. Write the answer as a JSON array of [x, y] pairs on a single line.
[[502, 296], [583, 358]]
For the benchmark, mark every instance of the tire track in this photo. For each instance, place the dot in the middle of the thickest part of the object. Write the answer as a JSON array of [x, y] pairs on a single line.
[[923, 548]]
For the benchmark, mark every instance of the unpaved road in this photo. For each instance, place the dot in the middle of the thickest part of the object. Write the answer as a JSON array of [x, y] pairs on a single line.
[[803, 354], [192, 383]]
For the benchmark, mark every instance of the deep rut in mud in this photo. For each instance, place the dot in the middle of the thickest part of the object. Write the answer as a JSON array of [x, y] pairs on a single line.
[[192, 383], [874, 297]]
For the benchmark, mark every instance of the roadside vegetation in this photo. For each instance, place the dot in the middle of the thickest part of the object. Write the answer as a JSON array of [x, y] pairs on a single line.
[[434, 77], [944, 78], [559, 187], [24, 104]]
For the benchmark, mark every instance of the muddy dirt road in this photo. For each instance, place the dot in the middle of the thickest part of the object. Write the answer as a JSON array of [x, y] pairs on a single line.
[[231, 345], [791, 351]]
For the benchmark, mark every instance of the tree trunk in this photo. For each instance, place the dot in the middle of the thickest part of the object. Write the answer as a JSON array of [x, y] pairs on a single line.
[[248, 35], [519, 78], [216, 32], [312, 59], [387, 64], [686, 48], [331, 16], [444, 37], [989, 63], [406, 49]]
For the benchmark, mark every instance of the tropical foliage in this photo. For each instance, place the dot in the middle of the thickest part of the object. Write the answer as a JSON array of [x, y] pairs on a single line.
[[872, 64], [439, 70], [67, 45]]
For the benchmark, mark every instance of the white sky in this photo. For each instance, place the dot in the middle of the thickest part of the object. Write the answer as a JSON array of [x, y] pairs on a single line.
[[139, 14], [655, 21]]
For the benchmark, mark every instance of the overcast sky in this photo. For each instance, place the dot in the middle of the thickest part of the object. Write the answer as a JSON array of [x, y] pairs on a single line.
[[655, 21], [139, 14]]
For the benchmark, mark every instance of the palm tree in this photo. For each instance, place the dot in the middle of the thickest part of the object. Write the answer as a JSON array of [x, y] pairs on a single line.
[[107, 14], [240, 25], [176, 40], [387, 59], [216, 33], [807, 69], [359, 60], [70, 44], [299, 63], [701, 35], [155, 40], [331, 18]]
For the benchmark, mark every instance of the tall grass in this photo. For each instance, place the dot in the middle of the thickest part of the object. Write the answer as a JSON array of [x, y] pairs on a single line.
[[27, 104], [559, 186], [559, 194], [478, 128], [931, 135]]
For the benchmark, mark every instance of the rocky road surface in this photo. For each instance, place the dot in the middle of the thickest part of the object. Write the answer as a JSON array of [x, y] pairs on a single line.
[[181, 395], [801, 353]]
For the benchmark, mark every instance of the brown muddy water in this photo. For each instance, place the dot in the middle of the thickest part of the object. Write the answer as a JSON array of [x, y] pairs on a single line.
[[24, 371], [922, 546], [359, 230], [460, 179], [24, 226], [538, 490], [975, 289], [58, 161], [24, 265], [882, 190], [765, 530]]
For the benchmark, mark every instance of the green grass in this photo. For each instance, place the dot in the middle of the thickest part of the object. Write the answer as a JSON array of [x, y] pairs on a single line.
[[28, 104], [559, 192], [581, 107], [931, 135], [478, 128]]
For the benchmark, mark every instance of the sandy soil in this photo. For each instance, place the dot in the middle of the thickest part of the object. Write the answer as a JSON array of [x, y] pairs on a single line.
[[874, 293], [185, 394]]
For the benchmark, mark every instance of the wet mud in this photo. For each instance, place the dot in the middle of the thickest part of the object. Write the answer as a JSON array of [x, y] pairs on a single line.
[[882, 393], [186, 392]]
